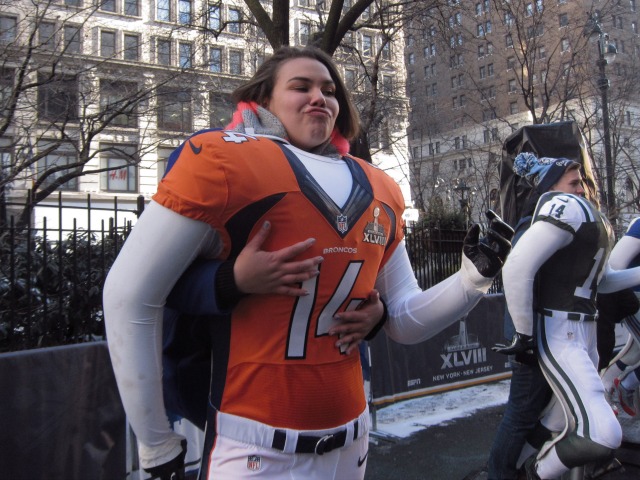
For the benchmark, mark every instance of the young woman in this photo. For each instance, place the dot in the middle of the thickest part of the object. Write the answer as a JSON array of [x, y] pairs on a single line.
[[284, 401]]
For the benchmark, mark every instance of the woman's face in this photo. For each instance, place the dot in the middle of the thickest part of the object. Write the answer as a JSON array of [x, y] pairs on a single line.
[[304, 100]]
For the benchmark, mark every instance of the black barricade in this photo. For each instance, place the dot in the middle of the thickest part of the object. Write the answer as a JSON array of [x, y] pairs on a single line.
[[61, 415], [458, 356]]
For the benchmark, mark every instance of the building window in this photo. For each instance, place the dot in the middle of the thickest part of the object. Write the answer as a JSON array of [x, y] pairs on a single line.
[[508, 40], [513, 108], [108, 5], [304, 33], [7, 29], [512, 85], [163, 10], [132, 8], [214, 19], [72, 39], [387, 85], [221, 109], [511, 63], [58, 99], [386, 51], [486, 136], [483, 71], [6, 89], [481, 50], [174, 109], [121, 176], [107, 44], [564, 45], [490, 70], [411, 59], [186, 55], [235, 62], [117, 101], [480, 30], [73, 3], [58, 161], [184, 12], [563, 19], [164, 52], [367, 42], [215, 59], [47, 35], [131, 47], [234, 21], [508, 19], [350, 79]]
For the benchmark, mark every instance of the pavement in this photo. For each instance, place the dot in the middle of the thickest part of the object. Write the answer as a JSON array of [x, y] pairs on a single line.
[[459, 449]]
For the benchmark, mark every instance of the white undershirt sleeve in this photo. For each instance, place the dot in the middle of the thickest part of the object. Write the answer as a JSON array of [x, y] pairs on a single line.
[[623, 252], [160, 247], [615, 280], [532, 250], [416, 315]]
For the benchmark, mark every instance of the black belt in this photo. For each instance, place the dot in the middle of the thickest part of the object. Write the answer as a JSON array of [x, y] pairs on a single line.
[[576, 317], [314, 444]]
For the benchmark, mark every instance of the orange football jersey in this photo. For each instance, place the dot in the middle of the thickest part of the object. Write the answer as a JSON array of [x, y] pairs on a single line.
[[276, 362]]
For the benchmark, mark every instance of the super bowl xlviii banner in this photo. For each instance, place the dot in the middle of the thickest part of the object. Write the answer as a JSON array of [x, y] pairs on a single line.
[[458, 356]]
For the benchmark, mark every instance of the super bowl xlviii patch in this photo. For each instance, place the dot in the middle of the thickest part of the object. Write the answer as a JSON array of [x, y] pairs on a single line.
[[341, 223], [253, 463], [374, 232]]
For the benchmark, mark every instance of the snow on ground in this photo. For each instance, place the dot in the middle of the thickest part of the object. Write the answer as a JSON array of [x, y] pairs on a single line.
[[407, 417]]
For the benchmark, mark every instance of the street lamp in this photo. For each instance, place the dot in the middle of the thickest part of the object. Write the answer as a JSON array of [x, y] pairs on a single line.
[[463, 189], [606, 54]]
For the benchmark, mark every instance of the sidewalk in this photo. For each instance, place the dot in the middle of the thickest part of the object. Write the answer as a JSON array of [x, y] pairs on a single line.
[[459, 448]]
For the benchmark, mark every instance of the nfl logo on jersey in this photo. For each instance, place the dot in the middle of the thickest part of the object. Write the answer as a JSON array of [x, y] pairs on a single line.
[[253, 463], [341, 223]]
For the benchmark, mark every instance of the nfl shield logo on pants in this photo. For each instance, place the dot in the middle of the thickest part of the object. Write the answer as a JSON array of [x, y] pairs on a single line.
[[253, 463]]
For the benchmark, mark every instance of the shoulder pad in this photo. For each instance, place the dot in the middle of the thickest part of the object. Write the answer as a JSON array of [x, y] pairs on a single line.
[[564, 210], [634, 228]]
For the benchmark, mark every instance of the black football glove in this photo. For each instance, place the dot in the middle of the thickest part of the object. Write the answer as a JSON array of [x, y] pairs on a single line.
[[172, 470], [521, 343], [489, 253]]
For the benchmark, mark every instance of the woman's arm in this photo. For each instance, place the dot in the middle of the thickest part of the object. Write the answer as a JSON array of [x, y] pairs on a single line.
[[160, 247], [533, 249], [416, 315]]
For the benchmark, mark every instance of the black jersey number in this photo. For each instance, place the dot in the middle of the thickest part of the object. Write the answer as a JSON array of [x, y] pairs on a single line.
[[586, 289], [301, 316]]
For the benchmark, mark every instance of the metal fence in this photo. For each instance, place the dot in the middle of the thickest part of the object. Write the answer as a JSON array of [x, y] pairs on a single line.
[[436, 254], [52, 271]]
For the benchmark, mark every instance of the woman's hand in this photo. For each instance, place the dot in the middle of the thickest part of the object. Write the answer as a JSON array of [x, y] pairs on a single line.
[[352, 327], [258, 271]]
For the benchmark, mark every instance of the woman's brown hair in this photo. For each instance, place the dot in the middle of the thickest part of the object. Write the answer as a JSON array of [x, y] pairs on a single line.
[[259, 88]]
